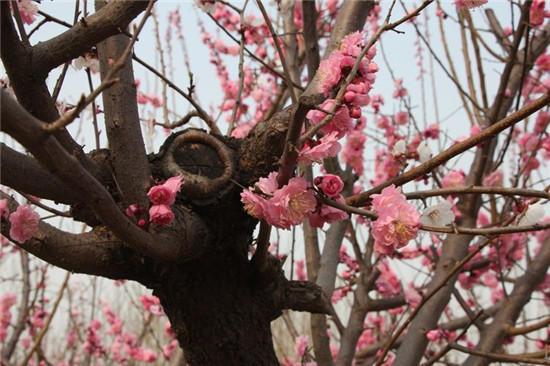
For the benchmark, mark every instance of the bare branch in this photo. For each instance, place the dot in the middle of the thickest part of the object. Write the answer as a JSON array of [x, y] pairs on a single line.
[[88, 32], [129, 160], [25, 174]]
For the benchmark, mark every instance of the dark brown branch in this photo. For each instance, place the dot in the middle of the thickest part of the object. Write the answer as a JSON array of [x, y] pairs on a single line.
[[25, 174], [310, 37], [500, 357], [123, 128], [31, 91], [305, 296], [96, 253], [88, 32], [478, 189]]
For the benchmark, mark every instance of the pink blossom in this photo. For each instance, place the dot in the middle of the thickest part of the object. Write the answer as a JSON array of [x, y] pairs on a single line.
[[330, 184], [301, 270], [268, 185], [353, 43], [397, 221], [341, 121], [295, 201], [434, 335], [143, 354], [169, 349], [330, 72], [542, 122], [543, 62], [432, 131], [161, 214], [24, 223], [301, 346], [27, 10], [454, 179], [165, 194], [400, 91], [327, 147], [4, 209], [254, 204], [401, 118], [387, 283], [7, 300], [469, 4], [536, 13], [494, 179], [242, 130], [327, 214], [151, 304]]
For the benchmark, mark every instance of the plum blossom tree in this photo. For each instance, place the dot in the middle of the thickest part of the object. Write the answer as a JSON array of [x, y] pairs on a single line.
[[421, 245]]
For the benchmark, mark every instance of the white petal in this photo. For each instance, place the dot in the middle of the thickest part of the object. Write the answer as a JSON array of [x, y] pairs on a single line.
[[424, 152], [440, 214], [399, 148], [532, 216]]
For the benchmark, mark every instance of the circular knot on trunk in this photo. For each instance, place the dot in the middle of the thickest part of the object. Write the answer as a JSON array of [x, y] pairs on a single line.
[[193, 149]]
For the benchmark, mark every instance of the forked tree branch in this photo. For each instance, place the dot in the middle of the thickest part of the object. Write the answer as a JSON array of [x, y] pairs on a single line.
[[26, 129], [89, 31], [25, 174], [128, 156]]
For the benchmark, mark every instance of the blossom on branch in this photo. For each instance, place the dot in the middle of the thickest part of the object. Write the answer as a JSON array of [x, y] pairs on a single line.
[[397, 221], [24, 223]]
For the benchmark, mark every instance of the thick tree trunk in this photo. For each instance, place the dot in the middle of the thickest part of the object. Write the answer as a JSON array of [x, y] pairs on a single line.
[[219, 316]]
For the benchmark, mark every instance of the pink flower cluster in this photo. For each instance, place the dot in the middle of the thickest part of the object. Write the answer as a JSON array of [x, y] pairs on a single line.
[[280, 207], [23, 221], [331, 185], [537, 13], [332, 71], [7, 300], [163, 196], [397, 221]]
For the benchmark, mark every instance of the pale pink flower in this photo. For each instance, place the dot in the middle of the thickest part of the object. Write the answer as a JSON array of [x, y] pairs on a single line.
[[397, 221], [536, 13], [161, 215], [294, 201], [268, 185], [434, 335], [494, 179], [353, 43], [327, 214], [330, 72], [7, 300], [165, 194], [4, 209], [254, 204], [301, 346], [169, 349], [469, 4], [327, 147], [432, 131], [454, 179], [330, 184], [543, 63], [401, 118], [387, 283], [341, 121], [27, 10], [143, 354], [542, 122], [24, 223], [400, 91], [242, 130], [151, 304]]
